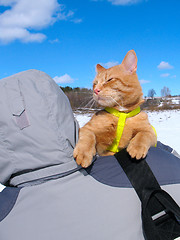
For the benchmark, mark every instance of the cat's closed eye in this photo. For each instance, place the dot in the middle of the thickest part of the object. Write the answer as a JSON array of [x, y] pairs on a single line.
[[109, 79]]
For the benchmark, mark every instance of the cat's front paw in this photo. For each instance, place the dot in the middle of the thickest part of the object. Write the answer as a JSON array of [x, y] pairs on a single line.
[[137, 151], [84, 155]]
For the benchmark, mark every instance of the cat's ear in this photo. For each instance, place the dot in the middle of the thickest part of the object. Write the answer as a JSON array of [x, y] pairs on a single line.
[[99, 68], [130, 62]]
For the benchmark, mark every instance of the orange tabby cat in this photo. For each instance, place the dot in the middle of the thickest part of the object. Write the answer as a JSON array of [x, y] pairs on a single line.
[[116, 87]]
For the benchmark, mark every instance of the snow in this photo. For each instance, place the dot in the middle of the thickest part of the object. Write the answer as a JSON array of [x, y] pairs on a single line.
[[1, 187], [166, 123], [175, 101]]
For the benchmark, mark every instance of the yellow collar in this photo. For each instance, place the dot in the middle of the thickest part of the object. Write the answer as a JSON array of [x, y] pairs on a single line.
[[120, 126]]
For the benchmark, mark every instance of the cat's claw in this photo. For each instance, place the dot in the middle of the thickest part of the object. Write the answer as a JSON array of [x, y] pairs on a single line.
[[137, 151], [83, 156]]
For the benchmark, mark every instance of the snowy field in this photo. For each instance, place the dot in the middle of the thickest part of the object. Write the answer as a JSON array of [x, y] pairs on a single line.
[[166, 123]]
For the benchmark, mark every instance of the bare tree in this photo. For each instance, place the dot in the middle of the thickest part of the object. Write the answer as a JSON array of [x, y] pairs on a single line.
[[151, 93], [165, 92]]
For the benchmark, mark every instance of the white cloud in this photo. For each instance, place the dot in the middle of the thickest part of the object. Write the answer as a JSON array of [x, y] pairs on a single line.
[[56, 40], [25, 18], [109, 64], [63, 79], [124, 2], [76, 20], [69, 16], [142, 81], [65, 16], [11, 34], [165, 75], [7, 2], [164, 65]]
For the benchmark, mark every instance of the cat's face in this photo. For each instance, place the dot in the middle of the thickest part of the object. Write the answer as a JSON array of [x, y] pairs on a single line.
[[118, 86]]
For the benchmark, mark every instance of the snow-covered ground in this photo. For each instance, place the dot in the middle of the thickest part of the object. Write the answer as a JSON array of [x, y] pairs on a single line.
[[166, 123]]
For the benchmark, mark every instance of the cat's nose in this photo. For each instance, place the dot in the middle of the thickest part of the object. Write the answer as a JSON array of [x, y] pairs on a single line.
[[97, 91]]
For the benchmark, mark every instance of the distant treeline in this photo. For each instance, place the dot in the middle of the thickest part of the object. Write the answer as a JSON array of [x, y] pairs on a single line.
[[82, 98]]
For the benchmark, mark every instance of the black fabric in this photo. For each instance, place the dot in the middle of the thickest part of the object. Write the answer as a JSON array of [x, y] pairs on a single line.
[[8, 198], [154, 200]]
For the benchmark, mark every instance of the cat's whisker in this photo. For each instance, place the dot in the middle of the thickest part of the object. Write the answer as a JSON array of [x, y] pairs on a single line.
[[109, 99], [121, 108], [115, 101], [92, 104], [109, 96], [87, 104]]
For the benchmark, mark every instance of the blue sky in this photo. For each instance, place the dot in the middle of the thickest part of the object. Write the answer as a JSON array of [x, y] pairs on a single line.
[[66, 39]]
